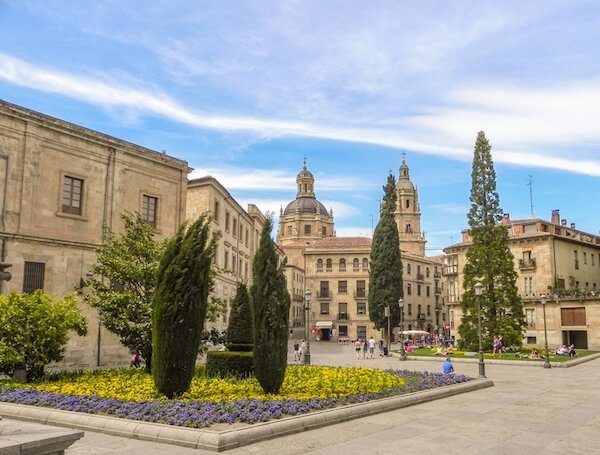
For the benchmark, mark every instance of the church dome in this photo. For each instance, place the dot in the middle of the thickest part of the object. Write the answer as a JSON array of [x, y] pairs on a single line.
[[306, 205]]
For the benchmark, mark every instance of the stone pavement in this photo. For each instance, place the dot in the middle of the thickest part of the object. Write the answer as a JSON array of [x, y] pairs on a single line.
[[529, 411]]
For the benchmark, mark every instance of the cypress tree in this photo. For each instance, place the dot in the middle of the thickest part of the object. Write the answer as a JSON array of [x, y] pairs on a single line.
[[183, 284], [385, 274], [489, 261], [239, 330], [270, 312]]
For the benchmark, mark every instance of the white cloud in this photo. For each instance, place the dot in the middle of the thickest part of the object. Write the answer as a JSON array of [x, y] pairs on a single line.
[[353, 231], [538, 118], [452, 208]]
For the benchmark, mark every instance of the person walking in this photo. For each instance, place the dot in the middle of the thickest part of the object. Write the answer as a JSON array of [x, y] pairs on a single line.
[[365, 348], [296, 351], [371, 347], [302, 350], [447, 366], [357, 346]]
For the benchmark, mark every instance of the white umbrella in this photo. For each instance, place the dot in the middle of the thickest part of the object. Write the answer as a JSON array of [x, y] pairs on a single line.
[[415, 332]]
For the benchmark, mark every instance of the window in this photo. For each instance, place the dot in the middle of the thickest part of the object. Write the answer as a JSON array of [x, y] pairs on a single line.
[[408, 269], [365, 264], [361, 332], [216, 212], [289, 229], [72, 195], [427, 272], [355, 264], [585, 258], [234, 230], [418, 289], [452, 319], [428, 291], [233, 263], [428, 310], [531, 340], [576, 260], [530, 318], [361, 308], [419, 311], [343, 330], [407, 203], [324, 231], [342, 265], [216, 255], [573, 316], [324, 307], [149, 208], [410, 309], [247, 235], [324, 286], [33, 276], [343, 311], [226, 260], [307, 229], [593, 259], [342, 287], [408, 289], [361, 289], [418, 269], [408, 228], [319, 265], [246, 269], [227, 220], [528, 285], [328, 265]]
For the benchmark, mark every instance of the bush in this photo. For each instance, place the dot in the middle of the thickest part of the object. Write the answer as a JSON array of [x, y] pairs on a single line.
[[227, 363], [239, 331]]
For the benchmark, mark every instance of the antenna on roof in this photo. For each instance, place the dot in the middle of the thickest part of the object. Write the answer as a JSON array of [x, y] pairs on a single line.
[[530, 185]]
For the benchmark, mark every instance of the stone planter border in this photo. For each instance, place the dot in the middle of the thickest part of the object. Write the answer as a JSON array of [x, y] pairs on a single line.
[[235, 437]]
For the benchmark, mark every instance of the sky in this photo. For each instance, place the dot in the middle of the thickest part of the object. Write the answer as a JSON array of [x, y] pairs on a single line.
[[244, 90]]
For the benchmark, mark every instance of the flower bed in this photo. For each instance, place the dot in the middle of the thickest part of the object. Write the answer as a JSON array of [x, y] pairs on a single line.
[[305, 390]]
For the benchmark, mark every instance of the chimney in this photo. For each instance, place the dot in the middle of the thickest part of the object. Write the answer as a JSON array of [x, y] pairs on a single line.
[[555, 217], [572, 225], [563, 222]]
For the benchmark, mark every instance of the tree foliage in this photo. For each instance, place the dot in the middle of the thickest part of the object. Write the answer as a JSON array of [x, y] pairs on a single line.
[[270, 302], [34, 330], [239, 330], [385, 273], [184, 282], [489, 261]]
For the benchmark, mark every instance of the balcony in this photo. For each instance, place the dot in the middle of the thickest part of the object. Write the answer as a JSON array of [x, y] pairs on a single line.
[[324, 294], [450, 270], [527, 264], [437, 275], [298, 298], [360, 294], [420, 277], [438, 291], [343, 317]]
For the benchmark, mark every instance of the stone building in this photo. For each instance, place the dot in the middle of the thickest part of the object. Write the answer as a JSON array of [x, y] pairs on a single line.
[[239, 234], [337, 268], [556, 263], [59, 185]]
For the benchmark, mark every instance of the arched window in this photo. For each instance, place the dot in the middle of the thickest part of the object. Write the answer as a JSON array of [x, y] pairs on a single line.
[[365, 264], [355, 264], [324, 231], [329, 264], [427, 272], [342, 265], [319, 265], [408, 289], [408, 269], [305, 187], [407, 203], [408, 229]]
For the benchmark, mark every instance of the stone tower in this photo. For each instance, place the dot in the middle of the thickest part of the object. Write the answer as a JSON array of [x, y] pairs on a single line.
[[408, 213], [305, 218]]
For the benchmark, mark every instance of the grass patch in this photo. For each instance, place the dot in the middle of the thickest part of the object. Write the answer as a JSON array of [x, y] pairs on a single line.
[[425, 352]]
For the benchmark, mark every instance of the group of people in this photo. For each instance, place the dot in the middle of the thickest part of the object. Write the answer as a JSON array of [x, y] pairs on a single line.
[[368, 347], [565, 350], [299, 350], [498, 345]]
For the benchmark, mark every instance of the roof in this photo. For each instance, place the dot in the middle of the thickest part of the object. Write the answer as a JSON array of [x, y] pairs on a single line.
[[337, 242], [306, 205]]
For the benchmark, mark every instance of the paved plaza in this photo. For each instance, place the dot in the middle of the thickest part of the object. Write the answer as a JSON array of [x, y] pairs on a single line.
[[530, 410]]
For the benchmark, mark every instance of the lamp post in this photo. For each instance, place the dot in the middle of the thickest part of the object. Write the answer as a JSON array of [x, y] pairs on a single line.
[[543, 301], [478, 293], [306, 327], [387, 315], [402, 351]]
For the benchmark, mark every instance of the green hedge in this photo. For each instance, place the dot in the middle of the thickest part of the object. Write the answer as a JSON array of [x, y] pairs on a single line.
[[239, 347], [227, 364]]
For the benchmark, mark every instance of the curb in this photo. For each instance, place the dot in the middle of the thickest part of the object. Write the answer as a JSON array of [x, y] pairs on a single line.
[[525, 363], [231, 438]]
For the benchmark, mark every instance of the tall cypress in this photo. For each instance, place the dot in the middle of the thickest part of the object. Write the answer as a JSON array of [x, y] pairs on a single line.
[[184, 282], [270, 302], [385, 272], [489, 261], [239, 330]]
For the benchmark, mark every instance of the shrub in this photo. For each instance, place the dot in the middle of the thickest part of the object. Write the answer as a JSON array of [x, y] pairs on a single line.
[[229, 363], [239, 331]]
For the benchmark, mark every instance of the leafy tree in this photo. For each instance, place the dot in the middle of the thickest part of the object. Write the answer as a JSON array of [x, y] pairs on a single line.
[[34, 330], [123, 283], [239, 330], [184, 282], [270, 302], [385, 274], [489, 261]]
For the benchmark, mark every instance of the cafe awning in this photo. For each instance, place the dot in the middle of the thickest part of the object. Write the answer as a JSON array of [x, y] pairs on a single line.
[[324, 324]]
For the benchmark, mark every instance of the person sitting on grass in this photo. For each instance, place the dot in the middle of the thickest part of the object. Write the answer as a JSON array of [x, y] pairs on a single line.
[[563, 350], [571, 351], [534, 355], [447, 366]]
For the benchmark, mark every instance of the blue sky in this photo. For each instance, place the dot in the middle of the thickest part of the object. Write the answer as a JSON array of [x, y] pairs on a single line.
[[244, 89]]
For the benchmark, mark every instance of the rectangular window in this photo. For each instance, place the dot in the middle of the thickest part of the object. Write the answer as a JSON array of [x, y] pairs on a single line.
[[428, 291], [342, 311], [233, 262], [234, 230], [307, 229], [428, 310], [410, 309], [361, 308], [343, 330], [593, 259], [227, 220], [226, 260], [530, 318], [247, 235], [531, 340], [324, 307], [216, 211], [72, 195], [418, 289], [408, 289], [360, 288], [576, 260], [149, 209], [342, 287], [573, 316], [33, 276], [528, 285], [361, 332], [585, 258]]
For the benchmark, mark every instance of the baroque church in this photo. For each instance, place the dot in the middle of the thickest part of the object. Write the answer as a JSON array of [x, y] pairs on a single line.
[[335, 270]]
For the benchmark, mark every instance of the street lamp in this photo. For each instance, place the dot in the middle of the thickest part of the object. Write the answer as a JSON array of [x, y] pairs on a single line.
[[543, 301], [306, 327], [478, 293], [402, 351], [387, 315]]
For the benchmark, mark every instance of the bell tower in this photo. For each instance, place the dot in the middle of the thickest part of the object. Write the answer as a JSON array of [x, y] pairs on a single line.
[[408, 213]]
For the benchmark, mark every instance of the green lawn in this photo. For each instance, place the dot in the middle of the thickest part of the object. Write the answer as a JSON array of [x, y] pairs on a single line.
[[424, 352]]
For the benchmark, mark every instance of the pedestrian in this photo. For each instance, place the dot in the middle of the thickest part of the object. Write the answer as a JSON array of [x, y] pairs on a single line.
[[302, 350], [357, 346], [365, 348], [296, 351], [136, 359], [371, 347], [381, 347], [447, 366]]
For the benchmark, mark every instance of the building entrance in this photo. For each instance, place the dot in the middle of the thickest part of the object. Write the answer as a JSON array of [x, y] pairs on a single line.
[[576, 337]]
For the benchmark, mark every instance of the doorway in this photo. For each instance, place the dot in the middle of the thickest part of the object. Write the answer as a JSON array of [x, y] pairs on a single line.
[[325, 334], [576, 337]]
